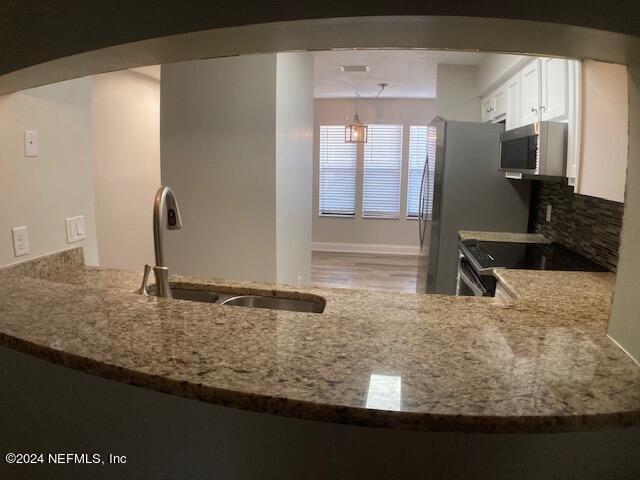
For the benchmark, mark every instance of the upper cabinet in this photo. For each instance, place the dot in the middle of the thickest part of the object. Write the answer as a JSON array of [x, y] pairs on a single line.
[[591, 97], [499, 103], [554, 88], [486, 107], [494, 106], [539, 91], [529, 93], [512, 89]]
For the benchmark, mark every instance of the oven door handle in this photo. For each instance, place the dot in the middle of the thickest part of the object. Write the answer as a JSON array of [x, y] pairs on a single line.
[[469, 280]]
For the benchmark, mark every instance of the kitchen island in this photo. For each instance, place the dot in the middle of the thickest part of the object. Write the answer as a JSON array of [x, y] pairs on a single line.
[[539, 363]]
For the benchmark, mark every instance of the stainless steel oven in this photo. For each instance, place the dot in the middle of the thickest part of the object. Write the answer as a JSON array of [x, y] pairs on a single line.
[[468, 282]]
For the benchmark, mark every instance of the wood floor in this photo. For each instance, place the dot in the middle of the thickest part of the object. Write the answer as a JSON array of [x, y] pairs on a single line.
[[403, 273]]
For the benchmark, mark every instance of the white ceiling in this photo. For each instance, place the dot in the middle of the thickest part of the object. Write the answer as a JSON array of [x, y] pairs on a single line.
[[409, 73]]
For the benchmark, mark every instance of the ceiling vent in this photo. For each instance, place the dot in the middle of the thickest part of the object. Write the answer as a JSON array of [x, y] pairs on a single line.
[[354, 68]]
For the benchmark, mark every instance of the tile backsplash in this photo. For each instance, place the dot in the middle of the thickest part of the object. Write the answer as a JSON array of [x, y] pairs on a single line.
[[588, 225]]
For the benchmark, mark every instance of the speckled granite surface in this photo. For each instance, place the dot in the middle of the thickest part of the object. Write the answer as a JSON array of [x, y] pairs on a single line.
[[540, 363], [502, 237]]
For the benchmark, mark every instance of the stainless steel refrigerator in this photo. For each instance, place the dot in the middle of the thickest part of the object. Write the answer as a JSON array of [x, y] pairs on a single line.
[[469, 193]]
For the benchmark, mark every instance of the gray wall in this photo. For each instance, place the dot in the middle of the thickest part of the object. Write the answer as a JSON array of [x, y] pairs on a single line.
[[240, 165], [358, 230], [54, 409], [218, 137]]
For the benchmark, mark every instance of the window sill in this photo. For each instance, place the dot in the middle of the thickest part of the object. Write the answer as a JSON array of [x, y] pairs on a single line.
[[370, 217], [336, 215]]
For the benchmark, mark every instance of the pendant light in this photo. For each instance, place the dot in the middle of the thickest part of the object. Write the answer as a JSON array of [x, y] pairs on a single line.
[[356, 131]]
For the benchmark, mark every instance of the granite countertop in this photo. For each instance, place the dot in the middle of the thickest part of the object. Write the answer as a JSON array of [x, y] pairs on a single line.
[[539, 363], [502, 237]]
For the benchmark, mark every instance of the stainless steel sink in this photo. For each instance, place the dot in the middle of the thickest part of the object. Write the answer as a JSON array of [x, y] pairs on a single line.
[[275, 303], [189, 294], [235, 300]]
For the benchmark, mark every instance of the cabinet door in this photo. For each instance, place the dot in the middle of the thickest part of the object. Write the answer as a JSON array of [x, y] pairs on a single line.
[[530, 93], [486, 106], [499, 103], [554, 101], [512, 93]]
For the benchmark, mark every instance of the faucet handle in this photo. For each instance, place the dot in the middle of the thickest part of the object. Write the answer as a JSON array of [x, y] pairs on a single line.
[[145, 279]]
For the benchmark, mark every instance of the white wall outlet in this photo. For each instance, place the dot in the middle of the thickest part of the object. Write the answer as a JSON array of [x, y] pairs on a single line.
[[30, 143], [20, 241], [75, 229], [548, 216]]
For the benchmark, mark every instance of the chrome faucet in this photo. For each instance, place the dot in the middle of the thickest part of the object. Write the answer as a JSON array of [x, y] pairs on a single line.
[[165, 206]]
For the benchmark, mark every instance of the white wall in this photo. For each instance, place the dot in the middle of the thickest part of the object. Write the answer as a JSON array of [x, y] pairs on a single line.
[[126, 153], [358, 230], [456, 93], [495, 69], [40, 192], [218, 137], [294, 166]]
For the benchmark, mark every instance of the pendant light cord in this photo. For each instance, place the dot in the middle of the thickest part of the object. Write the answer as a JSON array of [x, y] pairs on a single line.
[[382, 87]]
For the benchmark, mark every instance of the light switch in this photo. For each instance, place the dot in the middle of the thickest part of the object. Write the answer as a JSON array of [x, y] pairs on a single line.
[[548, 214], [30, 143], [75, 229], [20, 241]]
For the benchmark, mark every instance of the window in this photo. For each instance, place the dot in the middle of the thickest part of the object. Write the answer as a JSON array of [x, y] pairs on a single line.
[[337, 172], [422, 142], [382, 171]]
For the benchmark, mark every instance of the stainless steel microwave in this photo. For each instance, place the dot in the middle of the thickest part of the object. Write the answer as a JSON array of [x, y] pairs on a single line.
[[536, 149]]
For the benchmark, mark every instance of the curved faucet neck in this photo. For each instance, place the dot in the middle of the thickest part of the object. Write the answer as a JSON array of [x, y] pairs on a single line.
[[165, 215]]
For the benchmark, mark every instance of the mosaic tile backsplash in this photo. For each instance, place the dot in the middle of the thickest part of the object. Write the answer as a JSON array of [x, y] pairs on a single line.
[[588, 225]]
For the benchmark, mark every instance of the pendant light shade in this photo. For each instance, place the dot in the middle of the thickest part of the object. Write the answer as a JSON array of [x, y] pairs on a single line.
[[356, 131]]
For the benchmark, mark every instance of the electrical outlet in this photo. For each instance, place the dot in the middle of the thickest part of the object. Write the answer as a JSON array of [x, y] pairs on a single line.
[[20, 241], [75, 229], [548, 216]]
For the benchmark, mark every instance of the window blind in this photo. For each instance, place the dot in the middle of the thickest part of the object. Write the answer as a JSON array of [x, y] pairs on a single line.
[[422, 142], [382, 171], [337, 172]]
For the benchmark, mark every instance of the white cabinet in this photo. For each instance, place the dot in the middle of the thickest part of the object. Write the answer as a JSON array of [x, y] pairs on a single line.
[[499, 103], [486, 106], [591, 97], [530, 93], [494, 106], [554, 101], [512, 94], [541, 90]]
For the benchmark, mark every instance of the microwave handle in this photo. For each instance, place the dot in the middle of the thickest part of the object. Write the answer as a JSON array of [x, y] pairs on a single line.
[[513, 175]]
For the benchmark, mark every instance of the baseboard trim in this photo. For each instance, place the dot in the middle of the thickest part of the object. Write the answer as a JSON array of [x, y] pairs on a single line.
[[365, 248]]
